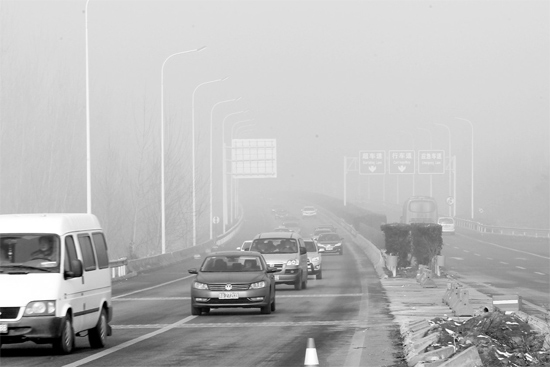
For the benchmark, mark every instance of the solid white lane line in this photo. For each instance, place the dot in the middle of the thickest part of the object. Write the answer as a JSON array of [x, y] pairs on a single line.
[[343, 323], [153, 287], [129, 343]]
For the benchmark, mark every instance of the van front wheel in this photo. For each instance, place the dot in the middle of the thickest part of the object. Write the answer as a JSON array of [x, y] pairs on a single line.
[[65, 343], [98, 335]]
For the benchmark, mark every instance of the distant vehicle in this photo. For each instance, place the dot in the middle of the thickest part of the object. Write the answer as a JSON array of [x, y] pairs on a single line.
[[330, 243], [245, 246], [282, 229], [281, 213], [419, 209], [233, 279], [309, 211], [287, 252], [314, 259], [447, 225], [293, 226]]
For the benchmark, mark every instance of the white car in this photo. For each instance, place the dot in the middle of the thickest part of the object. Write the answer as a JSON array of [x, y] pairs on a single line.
[[309, 211], [447, 224]]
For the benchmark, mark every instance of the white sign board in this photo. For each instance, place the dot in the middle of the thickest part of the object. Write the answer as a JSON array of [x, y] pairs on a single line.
[[253, 158], [372, 162]]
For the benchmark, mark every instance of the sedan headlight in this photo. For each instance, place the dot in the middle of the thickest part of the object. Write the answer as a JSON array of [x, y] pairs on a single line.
[[338, 244], [293, 262], [316, 258], [257, 285], [40, 308], [199, 285]]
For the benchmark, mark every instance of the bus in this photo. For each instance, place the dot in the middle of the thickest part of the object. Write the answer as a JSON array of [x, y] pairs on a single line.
[[419, 209]]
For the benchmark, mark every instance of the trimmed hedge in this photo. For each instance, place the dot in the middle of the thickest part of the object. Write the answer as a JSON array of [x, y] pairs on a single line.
[[418, 241]]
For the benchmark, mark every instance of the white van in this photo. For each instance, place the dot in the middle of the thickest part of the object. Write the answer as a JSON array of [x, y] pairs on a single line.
[[55, 280]]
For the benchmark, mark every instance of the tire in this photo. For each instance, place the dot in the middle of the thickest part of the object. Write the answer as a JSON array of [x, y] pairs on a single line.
[[98, 335], [319, 275], [65, 343], [273, 306], [341, 252], [205, 310], [298, 283], [195, 311], [266, 310], [304, 282]]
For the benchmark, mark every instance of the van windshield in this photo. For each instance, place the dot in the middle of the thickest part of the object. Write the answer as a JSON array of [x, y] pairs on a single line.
[[29, 252], [275, 245]]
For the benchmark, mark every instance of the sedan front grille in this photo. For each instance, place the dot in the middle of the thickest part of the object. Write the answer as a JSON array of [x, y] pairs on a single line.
[[234, 287], [9, 312]]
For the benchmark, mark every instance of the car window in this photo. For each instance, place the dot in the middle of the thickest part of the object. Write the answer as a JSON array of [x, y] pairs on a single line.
[[446, 221], [275, 245], [232, 263], [329, 237], [310, 246]]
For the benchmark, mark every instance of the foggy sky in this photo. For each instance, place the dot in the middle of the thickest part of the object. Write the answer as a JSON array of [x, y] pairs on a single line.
[[327, 79]]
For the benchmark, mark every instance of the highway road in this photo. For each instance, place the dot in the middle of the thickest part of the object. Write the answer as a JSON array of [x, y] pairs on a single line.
[[501, 265], [345, 313]]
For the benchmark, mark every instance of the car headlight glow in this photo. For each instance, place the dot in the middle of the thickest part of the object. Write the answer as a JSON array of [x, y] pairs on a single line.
[[293, 262], [199, 285], [40, 308], [257, 285], [316, 258], [338, 244]]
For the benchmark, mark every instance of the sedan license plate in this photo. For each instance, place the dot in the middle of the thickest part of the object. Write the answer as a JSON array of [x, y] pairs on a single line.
[[329, 248], [3, 328], [228, 295]]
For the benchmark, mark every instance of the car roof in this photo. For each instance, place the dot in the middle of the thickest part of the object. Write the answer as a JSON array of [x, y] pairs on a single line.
[[277, 235]]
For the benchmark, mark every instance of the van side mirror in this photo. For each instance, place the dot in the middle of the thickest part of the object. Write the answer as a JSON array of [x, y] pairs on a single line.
[[76, 272], [192, 271], [303, 251]]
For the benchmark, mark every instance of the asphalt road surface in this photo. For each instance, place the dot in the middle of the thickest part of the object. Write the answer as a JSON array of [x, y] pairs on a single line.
[[345, 313]]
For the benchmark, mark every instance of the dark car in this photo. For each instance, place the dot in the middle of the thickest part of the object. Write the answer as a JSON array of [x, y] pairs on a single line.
[[330, 243], [233, 279]]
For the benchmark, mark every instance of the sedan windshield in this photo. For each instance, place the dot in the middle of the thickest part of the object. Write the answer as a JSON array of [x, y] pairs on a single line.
[[222, 263], [275, 246], [329, 237]]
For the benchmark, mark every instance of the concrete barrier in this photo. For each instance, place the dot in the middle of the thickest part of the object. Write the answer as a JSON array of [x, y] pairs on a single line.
[[469, 357]]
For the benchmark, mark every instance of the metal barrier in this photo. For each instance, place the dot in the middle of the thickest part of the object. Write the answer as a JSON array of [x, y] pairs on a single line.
[[508, 231], [123, 267]]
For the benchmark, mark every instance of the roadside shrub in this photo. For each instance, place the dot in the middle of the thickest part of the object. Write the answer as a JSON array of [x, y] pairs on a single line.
[[398, 242]]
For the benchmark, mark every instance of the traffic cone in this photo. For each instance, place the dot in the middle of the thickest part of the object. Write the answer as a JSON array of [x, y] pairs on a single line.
[[311, 354]]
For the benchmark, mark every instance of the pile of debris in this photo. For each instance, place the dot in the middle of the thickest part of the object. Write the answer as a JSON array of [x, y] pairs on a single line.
[[501, 339]]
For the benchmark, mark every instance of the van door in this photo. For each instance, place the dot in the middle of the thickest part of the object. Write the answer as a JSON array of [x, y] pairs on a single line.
[[72, 287], [90, 312]]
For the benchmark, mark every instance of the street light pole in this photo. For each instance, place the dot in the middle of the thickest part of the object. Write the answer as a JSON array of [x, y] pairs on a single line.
[[162, 190], [431, 148], [88, 159], [472, 163], [224, 174], [194, 212], [450, 168], [210, 179]]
